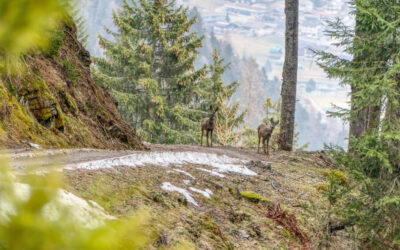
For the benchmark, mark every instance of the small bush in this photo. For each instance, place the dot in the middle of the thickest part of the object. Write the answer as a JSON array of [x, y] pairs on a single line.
[[55, 44], [72, 71]]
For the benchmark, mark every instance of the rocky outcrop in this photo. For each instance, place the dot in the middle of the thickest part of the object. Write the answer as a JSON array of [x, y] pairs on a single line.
[[56, 103]]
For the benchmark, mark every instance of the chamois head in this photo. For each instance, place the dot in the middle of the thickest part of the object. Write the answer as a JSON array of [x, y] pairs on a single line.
[[273, 123], [213, 112]]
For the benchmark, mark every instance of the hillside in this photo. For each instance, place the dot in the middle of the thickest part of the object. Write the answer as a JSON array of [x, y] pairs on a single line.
[[57, 104], [219, 198]]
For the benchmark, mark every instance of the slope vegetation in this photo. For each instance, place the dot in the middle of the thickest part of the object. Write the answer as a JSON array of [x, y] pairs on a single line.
[[55, 102]]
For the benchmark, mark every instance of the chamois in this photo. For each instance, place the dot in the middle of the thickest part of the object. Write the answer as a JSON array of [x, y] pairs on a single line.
[[207, 124], [265, 133]]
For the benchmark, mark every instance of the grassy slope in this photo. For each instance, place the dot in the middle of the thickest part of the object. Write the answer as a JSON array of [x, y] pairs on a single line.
[[227, 220]]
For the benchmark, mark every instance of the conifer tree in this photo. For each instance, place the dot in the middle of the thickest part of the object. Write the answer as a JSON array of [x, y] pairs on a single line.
[[149, 65], [219, 94], [372, 73]]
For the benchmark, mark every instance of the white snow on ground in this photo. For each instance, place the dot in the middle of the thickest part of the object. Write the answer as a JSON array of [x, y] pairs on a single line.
[[206, 193], [183, 172], [187, 182], [220, 163], [89, 214], [212, 172], [33, 145], [171, 188]]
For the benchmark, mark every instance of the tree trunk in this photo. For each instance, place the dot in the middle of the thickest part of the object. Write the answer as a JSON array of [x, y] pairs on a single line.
[[374, 115], [358, 118], [358, 115], [289, 75]]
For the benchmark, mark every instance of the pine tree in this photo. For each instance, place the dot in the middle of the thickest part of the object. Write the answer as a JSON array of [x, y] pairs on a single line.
[[149, 65], [372, 73], [80, 22], [228, 119]]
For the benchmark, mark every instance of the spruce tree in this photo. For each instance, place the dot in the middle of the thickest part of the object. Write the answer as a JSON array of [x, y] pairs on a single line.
[[149, 65], [371, 205], [219, 94]]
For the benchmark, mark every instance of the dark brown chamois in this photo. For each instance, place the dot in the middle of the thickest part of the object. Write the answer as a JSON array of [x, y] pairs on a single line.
[[265, 133], [207, 124]]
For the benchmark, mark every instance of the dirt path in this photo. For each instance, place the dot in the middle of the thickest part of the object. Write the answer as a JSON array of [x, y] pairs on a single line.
[[46, 158]]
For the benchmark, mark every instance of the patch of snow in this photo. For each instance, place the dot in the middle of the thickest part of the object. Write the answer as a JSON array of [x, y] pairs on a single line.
[[183, 172], [206, 193], [212, 172], [169, 187], [90, 214], [33, 145], [187, 182], [219, 163]]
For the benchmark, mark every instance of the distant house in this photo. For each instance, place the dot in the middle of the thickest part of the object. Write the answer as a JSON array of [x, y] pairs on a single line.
[[245, 10], [276, 50]]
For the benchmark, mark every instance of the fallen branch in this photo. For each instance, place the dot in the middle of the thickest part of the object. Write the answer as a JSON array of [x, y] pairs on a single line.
[[289, 222]]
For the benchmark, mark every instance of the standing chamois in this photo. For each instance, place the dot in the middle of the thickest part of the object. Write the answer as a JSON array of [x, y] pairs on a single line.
[[207, 124], [265, 133]]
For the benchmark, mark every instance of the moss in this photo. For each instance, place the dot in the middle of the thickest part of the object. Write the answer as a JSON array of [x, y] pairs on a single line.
[[69, 102], [253, 197]]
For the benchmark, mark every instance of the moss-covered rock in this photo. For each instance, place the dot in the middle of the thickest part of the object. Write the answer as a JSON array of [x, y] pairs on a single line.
[[253, 197]]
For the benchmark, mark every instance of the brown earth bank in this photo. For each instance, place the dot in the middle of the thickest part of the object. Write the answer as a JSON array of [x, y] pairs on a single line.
[[56, 103], [279, 208]]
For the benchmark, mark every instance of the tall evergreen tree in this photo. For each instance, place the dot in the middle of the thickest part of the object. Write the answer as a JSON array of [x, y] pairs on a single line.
[[289, 83], [372, 73], [149, 65], [228, 119]]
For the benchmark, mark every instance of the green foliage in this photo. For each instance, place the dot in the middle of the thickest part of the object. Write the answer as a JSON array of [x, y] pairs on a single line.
[[72, 71], [25, 225], [150, 68], [371, 208], [24, 27], [55, 44], [80, 22]]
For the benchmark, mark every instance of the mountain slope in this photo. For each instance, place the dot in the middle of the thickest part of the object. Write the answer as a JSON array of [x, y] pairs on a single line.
[[57, 104]]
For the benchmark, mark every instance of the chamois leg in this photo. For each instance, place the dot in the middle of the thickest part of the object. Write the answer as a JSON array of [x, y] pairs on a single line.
[[201, 140], [267, 146], [211, 136], [207, 138], [258, 147], [265, 152]]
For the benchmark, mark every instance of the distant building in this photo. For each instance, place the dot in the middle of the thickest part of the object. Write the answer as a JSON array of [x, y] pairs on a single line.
[[245, 10], [276, 50]]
